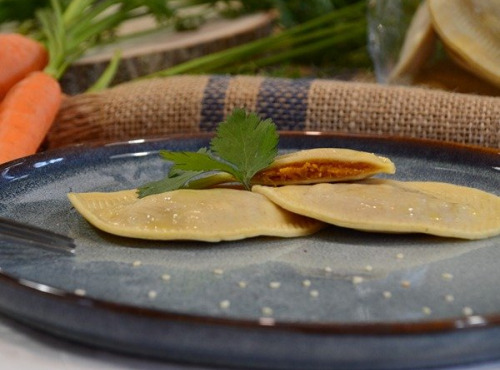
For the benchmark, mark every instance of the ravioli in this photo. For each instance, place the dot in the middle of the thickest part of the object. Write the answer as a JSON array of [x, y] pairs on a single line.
[[393, 206], [470, 31], [322, 165], [418, 46], [205, 215]]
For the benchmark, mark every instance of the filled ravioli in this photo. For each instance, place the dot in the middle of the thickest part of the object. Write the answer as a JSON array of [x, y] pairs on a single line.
[[470, 31], [205, 215], [418, 46], [322, 165], [394, 206]]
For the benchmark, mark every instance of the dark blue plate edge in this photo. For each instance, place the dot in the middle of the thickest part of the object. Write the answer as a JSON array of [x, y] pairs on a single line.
[[266, 344], [391, 141]]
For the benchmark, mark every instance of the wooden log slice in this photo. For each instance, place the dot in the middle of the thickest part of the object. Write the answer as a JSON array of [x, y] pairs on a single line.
[[163, 48]]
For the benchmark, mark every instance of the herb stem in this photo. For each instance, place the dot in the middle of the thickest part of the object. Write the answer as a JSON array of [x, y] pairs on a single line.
[[297, 51], [352, 18]]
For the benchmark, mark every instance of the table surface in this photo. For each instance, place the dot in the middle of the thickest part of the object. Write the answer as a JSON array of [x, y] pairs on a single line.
[[23, 348]]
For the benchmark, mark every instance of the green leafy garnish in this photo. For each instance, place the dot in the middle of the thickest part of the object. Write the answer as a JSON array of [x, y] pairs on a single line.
[[174, 180], [244, 144]]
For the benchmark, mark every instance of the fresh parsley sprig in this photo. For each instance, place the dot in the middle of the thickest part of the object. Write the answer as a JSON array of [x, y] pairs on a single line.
[[244, 144]]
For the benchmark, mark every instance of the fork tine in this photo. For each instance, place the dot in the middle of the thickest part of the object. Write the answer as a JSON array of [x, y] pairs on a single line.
[[36, 236], [8, 225], [38, 243]]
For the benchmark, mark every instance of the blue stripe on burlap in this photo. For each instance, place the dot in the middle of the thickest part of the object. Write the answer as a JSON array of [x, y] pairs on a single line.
[[212, 105], [284, 101]]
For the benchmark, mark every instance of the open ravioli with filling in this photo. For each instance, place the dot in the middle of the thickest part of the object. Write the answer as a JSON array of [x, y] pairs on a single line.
[[394, 206], [322, 165], [205, 215]]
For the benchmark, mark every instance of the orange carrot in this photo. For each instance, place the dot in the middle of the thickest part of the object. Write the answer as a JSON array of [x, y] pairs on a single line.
[[19, 55], [26, 115]]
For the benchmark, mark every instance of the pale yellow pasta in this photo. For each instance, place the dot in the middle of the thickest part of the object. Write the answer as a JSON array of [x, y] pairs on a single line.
[[394, 206], [206, 215]]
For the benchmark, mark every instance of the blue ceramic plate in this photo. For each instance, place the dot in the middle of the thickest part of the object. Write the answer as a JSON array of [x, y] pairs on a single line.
[[337, 298]]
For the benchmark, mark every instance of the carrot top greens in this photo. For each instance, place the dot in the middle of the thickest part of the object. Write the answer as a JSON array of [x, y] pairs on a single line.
[[243, 145]]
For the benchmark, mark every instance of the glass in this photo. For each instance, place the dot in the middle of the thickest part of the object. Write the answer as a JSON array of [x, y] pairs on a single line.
[[388, 21], [451, 45]]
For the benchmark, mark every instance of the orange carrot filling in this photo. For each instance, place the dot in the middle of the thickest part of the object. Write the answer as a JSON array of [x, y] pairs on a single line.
[[312, 170]]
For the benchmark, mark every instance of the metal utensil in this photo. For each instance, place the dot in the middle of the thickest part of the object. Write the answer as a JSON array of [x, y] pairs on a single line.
[[11, 230]]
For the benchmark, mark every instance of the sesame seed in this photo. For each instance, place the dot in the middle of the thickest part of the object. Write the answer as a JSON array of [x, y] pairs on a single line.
[[447, 276], [467, 311], [405, 284], [314, 293], [267, 311], [224, 304], [242, 284], [357, 279], [152, 294], [328, 269], [165, 277], [400, 256], [136, 263], [368, 268], [306, 283], [274, 284], [387, 294], [426, 310], [449, 298], [80, 292], [218, 271]]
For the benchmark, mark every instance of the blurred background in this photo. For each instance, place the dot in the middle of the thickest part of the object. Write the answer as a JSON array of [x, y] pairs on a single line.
[[384, 41]]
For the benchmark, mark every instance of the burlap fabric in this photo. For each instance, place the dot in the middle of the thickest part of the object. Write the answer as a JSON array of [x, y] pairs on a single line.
[[190, 104]]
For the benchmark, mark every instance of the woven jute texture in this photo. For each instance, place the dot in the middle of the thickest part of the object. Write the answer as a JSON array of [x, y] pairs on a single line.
[[190, 104]]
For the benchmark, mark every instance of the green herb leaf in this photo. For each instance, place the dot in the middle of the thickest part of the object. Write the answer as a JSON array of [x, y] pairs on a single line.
[[247, 142], [184, 180], [243, 145], [174, 180], [196, 161]]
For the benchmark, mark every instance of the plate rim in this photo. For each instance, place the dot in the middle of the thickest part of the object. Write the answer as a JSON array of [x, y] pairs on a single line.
[[288, 133], [386, 329]]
